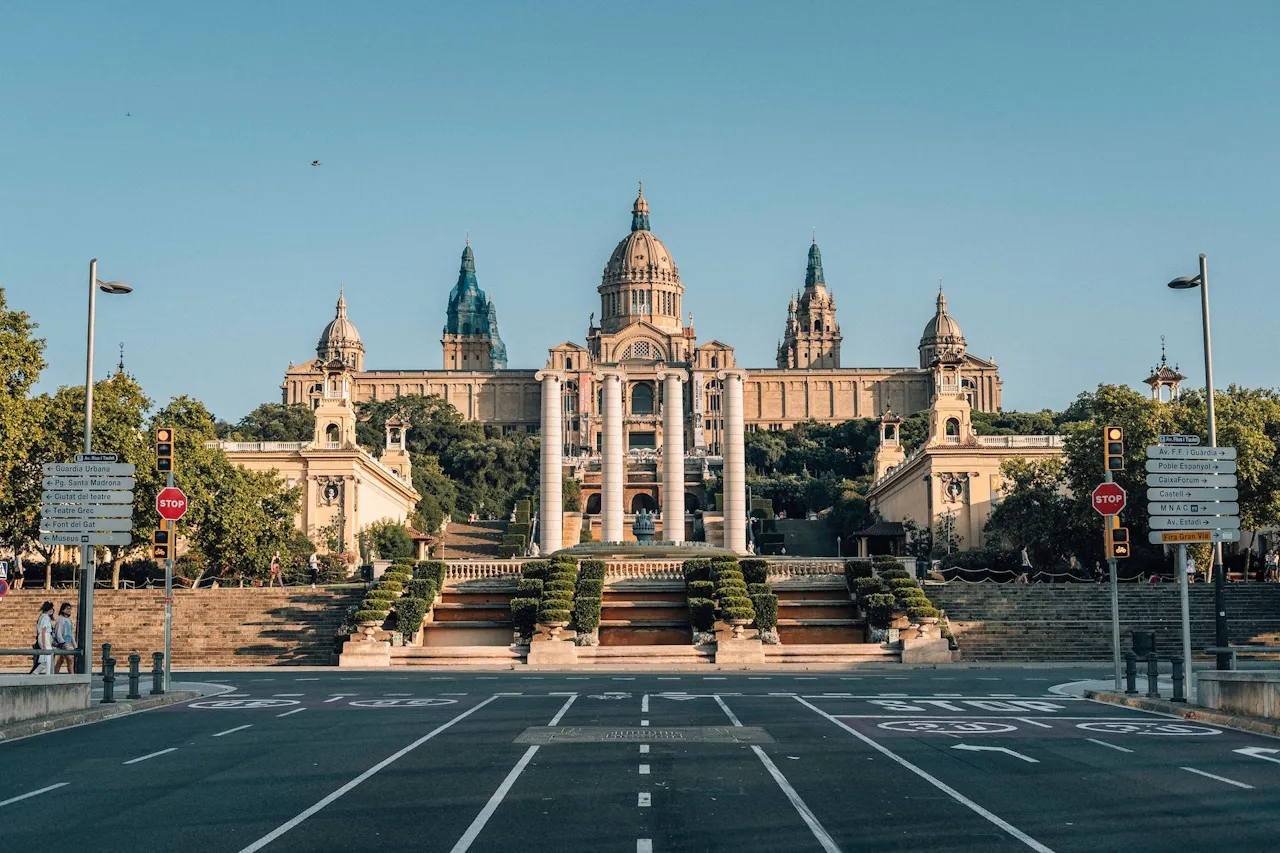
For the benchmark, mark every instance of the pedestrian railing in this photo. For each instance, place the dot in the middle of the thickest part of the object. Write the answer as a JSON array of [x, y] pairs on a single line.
[[1232, 651]]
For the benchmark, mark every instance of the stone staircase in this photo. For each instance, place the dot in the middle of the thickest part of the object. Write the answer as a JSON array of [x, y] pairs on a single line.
[[813, 614], [472, 541], [211, 627], [474, 613], [645, 613], [804, 538], [1053, 622]]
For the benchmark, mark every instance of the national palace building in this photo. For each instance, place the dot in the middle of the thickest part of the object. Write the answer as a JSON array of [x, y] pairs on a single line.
[[642, 327]]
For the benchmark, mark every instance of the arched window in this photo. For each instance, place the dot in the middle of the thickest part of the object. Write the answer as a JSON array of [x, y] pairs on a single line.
[[643, 501], [817, 326], [953, 427], [593, 504], [642, 399], [332, 434], [568, 364], [715, 362]]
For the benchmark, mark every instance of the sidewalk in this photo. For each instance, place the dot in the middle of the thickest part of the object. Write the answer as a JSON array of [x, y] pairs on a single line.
[[97, 712], [1186, 710]]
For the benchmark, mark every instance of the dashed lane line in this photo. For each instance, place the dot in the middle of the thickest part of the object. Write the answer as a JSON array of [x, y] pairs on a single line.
[[1031, 722], [644, 799], [294, 711], [306, 679], [644, 845], [389, 760], [336, 698], [1219, 778], [644, 704], [151, 755], [644, 722], [644, 749], [937, 783], [1108, 745], [37, 792], [644, 769], [236, 729], [815, 826], [477, 825], [287, 695]]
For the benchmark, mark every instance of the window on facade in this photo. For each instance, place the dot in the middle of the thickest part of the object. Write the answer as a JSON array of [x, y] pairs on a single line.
[[817, 326], [642, 399], [715, 362], [568, 364], [332, 434], [953, 427]]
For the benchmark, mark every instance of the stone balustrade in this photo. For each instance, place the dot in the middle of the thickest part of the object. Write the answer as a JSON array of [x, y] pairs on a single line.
[[474, 570], [644, 570]]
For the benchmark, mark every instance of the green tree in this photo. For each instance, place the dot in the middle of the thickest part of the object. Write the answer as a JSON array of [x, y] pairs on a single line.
[[390, 539], [276, 422], [438, 495], [1039, 514], [21, 427]]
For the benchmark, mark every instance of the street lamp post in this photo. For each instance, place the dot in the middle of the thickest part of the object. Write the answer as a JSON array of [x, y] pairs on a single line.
[[1221, 637], [87, 570]]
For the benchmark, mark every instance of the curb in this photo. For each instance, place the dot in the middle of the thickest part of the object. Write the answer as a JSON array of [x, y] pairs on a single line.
[[93, 714], [1256, 725]]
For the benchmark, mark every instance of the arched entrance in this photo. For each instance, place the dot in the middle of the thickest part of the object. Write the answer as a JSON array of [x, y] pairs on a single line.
[[593, 504], [691, 502], [643, 501]]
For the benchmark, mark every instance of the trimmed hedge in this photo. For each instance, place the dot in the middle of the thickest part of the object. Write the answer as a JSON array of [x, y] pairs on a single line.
[[755, 571], [387, 594], [565, 558], [590, 586], [403, 561], [529, 587], [535, 569], [592, 570], [697, 570], [518, 529], [891, 572], [434, 570], [901, 583], [391, 586], [923, 612], [409, 615], [702, 613], [862, 587], [880, 609], [395, 573], [754, 589], [546, 614], [858, 568], [363, 615], [720, 566], [701, 589], [558, 585], [524, 613], [766, 607], [586, 613], [885, 558]]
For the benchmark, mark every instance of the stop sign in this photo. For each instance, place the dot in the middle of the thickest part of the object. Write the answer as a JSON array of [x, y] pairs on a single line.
[[1108, 499], [171, 503]]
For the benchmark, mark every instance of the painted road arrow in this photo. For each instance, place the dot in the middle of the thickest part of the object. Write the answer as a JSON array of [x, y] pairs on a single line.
[[1192, 494], [1190, 466], [1165, 452], [1207, 508], [1005, 750], [1201, 480], [1265, 753]]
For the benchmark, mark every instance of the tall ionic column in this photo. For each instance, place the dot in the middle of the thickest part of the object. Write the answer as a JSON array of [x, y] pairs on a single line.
[[735, 469], [672, 453], [612, 469], [551, 472]]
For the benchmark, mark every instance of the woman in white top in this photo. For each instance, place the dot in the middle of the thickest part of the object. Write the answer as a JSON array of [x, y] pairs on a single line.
[[64, 637]]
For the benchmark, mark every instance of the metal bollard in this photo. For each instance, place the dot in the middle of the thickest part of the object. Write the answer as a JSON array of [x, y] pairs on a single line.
[[157, 673], [1153, 673], [1179, 680], [1131, 674], [108, 678], [134, 660]]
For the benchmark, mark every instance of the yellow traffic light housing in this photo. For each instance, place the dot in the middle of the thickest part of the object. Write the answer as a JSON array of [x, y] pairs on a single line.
[[164, 450], [1113, 448], [161, 547], [1118, 548]]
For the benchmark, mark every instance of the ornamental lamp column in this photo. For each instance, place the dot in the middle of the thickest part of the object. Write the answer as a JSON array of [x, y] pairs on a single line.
[[672, 453], [551, 473]]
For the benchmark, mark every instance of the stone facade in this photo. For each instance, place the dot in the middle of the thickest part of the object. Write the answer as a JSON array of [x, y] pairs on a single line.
[[643, 328]]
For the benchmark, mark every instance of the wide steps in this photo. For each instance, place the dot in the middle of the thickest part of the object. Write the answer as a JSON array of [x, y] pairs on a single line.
[[656, 656], [830, 653], [478, 657]]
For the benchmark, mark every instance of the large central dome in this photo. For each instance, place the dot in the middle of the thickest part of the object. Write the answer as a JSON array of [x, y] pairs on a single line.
[[641, 282]]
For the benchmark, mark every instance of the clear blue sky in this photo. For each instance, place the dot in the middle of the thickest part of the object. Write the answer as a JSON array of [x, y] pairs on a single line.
[[1054, 163]]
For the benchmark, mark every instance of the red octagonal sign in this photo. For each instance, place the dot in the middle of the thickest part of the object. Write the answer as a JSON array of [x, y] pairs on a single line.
[[171, 503], [1108, 499]]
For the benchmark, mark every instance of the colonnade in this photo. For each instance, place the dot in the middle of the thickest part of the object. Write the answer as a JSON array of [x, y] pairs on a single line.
[[613, 453]]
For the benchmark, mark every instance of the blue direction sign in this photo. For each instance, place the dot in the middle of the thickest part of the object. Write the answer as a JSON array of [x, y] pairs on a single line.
[[1190, 466], [88, 483], [1211, 481], [57, 496], [1193, 508], [1160, 451], [86, 510], [1195, 522], [85, 538], [1192, 494], [58, 525]]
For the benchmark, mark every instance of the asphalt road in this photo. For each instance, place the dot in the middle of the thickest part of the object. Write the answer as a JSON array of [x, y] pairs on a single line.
[[979, 761]]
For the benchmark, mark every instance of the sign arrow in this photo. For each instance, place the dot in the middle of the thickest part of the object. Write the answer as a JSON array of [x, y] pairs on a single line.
[[1258, 752], [971, 748]]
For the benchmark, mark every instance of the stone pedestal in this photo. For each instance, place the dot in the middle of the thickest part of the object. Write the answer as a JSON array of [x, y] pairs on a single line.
[[731, 650], [357, 652], [1252, 692], [926, 651], [548, 650]]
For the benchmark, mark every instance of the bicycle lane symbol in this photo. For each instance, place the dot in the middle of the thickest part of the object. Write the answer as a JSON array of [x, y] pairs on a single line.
[[246, 704]]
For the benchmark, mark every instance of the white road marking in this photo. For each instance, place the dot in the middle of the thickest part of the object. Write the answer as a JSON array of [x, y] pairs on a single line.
[[151, 755], [236, 729], [562, 694], [306, 679], [714, 678], [508, 694], [668, 678], [759, 677], [1265, 753], [486, 678], [815, 826], [644, 845], [644, 749], [477, 826], [532, 678], [33, 793], [624, 678], [644, 799], [294, 711], [344, 696], [644, 722], [288, 695], [1109, 745], [968, 747], [577, 678], [1219, 778], [233, 695], [264, 679], [644, 704], [937, 783], [389, 694], [806, 678], [391, 759], [782, 694], [644, 769], [453, 694], [1031, 722]]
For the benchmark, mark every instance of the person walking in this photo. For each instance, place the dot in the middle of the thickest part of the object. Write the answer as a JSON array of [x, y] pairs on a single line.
[[1272, 565], [276, 574], [44, 640], [64, 637], [1191, 568], [313, 563]]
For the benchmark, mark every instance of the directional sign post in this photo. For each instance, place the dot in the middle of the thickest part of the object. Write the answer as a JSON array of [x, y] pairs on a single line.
[[171, 503], [1192, 498]]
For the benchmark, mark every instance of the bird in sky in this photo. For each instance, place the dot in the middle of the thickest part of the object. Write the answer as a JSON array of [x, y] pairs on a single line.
[[315, 162]]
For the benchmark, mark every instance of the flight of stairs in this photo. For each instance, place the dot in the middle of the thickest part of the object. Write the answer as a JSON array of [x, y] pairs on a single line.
[[814, 615], [472, 541], [645, 613], [1052, 622], [470, 625], [211, 627]]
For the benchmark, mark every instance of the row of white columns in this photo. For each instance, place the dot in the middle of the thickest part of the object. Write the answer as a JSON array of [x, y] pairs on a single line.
[[613, 458]]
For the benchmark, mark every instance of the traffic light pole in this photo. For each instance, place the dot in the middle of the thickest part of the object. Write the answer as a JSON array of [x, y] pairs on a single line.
[[168, 596], [1115, 592], [1180, 566]]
